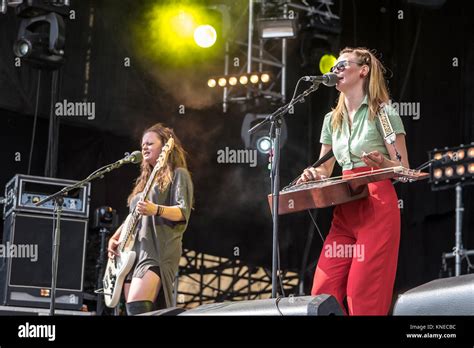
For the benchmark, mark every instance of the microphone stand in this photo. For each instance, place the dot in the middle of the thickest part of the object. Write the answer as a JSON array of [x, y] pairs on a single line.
[[58, 199], [275, 119]]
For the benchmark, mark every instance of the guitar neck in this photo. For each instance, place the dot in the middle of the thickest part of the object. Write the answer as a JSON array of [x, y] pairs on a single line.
[[135, 215]]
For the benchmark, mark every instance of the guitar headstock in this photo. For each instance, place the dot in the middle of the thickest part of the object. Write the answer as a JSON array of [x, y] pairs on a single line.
[[165, 152]]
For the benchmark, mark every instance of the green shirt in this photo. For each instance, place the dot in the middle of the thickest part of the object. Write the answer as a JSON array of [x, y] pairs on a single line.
[[365, 135]]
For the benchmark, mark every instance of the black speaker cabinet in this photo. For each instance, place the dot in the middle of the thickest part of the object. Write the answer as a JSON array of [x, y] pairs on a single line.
[[25, 271], [320, 305], [450, 296]]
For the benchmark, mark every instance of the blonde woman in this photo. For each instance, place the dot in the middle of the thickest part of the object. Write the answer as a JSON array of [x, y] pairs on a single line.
[[164, 219], [369, 227]]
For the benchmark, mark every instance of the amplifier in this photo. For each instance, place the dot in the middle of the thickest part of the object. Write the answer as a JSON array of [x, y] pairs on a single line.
[[25, 265], [22, 192]]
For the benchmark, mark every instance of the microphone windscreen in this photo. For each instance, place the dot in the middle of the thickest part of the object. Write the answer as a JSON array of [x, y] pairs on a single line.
[[331, 79], [136, 157]]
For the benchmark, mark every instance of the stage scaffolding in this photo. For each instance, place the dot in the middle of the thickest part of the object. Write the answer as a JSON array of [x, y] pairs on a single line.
[[205, 278]]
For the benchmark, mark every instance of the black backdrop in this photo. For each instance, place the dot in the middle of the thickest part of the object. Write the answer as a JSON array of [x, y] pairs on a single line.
[[231, 209]]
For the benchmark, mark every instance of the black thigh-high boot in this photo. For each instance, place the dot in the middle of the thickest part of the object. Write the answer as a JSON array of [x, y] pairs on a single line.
[[138, 307]]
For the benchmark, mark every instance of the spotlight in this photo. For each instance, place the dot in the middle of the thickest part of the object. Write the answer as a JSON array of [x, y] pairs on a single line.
[[254, 78], [205, 36], [438, 173], [326, 62], [470, 169], [277, 28], [222, 82], [460, 155], [243, 80], [452, 166], [448, 172], [22, 48], [232, 80], [260, 140], [41, 41], [212, 83], [105, 217], [460, 170], [265, 78], [470, 152], [264, 144]]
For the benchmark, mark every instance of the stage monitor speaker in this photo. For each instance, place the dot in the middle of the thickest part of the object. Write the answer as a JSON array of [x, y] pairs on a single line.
[[450, 296], [172, 311], [320, 305], [25, 272]]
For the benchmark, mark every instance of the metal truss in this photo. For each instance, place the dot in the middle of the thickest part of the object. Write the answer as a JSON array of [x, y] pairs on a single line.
[[205, 278], [260, 57]]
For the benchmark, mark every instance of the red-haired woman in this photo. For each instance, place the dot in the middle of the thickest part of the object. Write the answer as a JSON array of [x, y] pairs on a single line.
[[164, 219], [369, 227]]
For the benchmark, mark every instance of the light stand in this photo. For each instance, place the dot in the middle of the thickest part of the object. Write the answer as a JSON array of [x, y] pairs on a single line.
[[458, 251], [275, 119]]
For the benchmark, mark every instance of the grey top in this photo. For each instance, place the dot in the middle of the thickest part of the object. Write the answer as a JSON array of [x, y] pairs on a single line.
[[159, 240]]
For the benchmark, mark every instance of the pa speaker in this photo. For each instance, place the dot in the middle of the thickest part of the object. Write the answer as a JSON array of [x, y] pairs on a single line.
[[297, 306], [25, 272], [172, 311], [450, 296]]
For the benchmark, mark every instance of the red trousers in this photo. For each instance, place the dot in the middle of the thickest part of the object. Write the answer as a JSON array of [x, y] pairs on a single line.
[[360, 253]]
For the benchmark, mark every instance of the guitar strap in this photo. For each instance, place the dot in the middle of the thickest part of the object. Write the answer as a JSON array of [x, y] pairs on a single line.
[[387, 129]]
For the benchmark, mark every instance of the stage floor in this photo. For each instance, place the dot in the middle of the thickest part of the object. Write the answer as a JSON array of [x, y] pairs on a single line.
[[11, 310]]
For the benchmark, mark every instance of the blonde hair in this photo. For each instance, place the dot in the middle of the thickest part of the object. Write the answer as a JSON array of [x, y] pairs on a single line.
[[176, 159], [375, 86]]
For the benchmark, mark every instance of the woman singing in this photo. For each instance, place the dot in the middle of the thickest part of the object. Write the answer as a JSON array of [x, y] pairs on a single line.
[[164, 219], [371, 225]]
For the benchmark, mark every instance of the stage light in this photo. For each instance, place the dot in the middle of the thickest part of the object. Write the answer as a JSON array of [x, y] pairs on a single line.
[[448, 172], [460, 155], [460, 170], [451, 166], [22, 48], [180, 34], [438, 173], [277, 28], [205, 36], [243, 80], [265, 78], [260, 140], [470, 152], [326, 62], [254, 78], [264, 144], [212, 83], [41, 41], [233, 80]]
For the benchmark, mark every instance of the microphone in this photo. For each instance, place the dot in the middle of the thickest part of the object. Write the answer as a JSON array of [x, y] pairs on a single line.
[[328, 79], [135, 157]]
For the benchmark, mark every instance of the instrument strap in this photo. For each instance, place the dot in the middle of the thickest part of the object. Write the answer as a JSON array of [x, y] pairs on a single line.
[[387, 129]]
